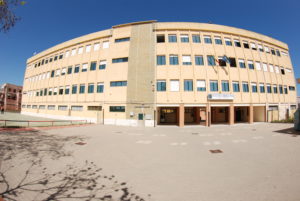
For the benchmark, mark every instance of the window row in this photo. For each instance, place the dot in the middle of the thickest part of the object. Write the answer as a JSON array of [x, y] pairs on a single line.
[[74, 107], [188, 85], [207, 39]]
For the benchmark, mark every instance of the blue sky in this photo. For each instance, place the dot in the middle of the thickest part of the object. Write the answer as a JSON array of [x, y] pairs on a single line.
[[47, 23]]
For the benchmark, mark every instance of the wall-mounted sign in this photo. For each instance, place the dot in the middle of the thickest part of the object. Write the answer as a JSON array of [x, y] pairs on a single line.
[[220, 97]]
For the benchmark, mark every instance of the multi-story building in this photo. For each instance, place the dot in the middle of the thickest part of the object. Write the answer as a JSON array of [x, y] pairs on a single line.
[[163, 73], [10, 97]]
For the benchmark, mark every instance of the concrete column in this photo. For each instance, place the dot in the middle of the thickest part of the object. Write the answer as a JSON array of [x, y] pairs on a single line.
[[197, 113], [231, 114], [181, 115], [208, 116], [250, 120]]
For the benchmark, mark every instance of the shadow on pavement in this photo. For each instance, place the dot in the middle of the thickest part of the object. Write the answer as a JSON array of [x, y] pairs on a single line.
[[289, 131]]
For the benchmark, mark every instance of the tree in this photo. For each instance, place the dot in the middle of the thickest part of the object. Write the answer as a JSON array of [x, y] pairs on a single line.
[[8, 18]]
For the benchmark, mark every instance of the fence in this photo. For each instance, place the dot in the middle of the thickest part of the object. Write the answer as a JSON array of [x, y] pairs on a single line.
[[26, 123]]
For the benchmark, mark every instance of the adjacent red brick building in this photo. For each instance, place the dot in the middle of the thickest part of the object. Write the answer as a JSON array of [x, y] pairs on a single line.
[[11, 97]]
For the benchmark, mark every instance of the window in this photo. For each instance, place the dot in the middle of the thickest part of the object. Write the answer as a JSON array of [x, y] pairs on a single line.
[[63, 107], [253, 46], [41, 93], [60, 57], [184, 38], [160, 38], [63, 71], [67, 90], [76, 108], [42, 107], [45, 92], [118, 83], [51, 107], [173, 59], [119, 40], [258, 66], [55, 91], [254, 87], [221, 61], [260, 48], [265, 67], [280, 89], [261, 87], [282, 71], [273, 51], [51, 59], [188, 85], [174, 85], [96, 46], [232, 62], [196, 38], [84, 67], [161, 60], [225, 85], [55, 58], [67, 54], [61, 91], [52, 73], [50, 92], [93, 65], [228, 42], [213, 84], [211, 60], [95, 108], [105, 44], [199, 60], [91, 88], [201, 85], [102, 64], [246, 44], [271, 68], [218, 40], [207, 40], [275, 90], [100, 87], [278, 53], [161, 85], [242, 63], [172, 38], [80, 50], [88, 48], [81, 88], [186, 60], [291, 88], [284, 53], [117, 108], [267, 50], [285, 90], [269, 89], [250, 65], [120, 60], [236, 86], [69, 69], [57, 73], [77, 68], [276, 69], [237, 43], [245, 87], [74, 89], [34, 106]]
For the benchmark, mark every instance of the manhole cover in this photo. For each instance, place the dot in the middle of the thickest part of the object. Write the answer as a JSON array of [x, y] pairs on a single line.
[[215, 151], [80, 143]]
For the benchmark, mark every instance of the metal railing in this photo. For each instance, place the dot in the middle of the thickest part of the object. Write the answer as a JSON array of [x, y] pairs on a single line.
[[29, 123]]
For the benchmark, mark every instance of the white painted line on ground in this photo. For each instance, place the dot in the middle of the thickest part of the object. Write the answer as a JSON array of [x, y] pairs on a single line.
[[206, 143], [183, 143], [159, 135], [226, 134], [239, 140], [144, 142], [174, 143], [258, 137], [217, 142]]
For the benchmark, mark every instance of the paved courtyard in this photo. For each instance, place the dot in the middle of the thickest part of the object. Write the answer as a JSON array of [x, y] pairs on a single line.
[[258, 162]]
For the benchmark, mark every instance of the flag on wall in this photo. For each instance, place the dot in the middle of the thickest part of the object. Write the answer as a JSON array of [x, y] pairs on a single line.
[[225, 58]]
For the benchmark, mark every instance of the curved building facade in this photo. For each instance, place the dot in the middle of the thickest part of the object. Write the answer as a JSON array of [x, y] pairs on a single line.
[[157, 73]]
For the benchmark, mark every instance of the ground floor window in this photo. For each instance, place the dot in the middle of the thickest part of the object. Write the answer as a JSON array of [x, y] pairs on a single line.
[[117, 108]]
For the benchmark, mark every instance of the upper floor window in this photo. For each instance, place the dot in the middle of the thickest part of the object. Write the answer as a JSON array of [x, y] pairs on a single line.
[[201, 85], [236, 86], [237, 43], [269, 89], [160, 38], [250, 64], [63, 71], [88, 48], [161, 85], [82, 88], [76, 69], [265, 67], [253, 46], [254, 87], [261, 87], [102, 64], [100, 87], [258, 66], [96, 46], [218, 40], [246, 44], [84, 67], [271, 68], [161, 60], [260, 48], [221, 61], [174, 85], [278, 53], [228, 42], [80, 50], [232, 62], [91, 88], [245, 87], [196, 38], [119, 40], [118, 83], [211, 60], [267, 50], [242, 63], [225, 85], [188, 85], [280, 89], [186, 60], [120, 60], [276, 69], [184, 38], [273, 51], [67, 54], [73, 52], [275, 90], [105, 44], [173, 59], [282, 71], [172, 38], [199, 60], [213, 84], [93, 65], [207, 40]]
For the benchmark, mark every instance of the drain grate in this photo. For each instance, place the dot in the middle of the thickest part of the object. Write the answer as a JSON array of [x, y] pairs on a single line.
[[215, 151], [80, 143]]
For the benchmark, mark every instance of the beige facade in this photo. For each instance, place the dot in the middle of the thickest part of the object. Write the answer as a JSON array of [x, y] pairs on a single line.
[[149, 73]]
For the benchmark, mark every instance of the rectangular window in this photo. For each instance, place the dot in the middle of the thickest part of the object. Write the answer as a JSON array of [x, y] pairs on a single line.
[[173, 59], [242, 63], [42, 107], [102, 64], [186, 60], [285, 90], [55, 58], [188, 85], [52, 73], [160, 60], [254, 87], [70, 70], [218, 40], [172, 38], [237, 43], [61, 91], [236, 86], [96, 46], [116, 108], [161, 85], [250, 65], [269, 89], [76, 108], [232, 62], [93, 65], [221, 61], [100, 87], [271, 68], [228, 42], [265, 67], [207, 40], [60, 57], [45, 92], [81, 88], [246, 44], [258, 66], [184, 38], [278, 53], [88, 48], [253, 46], [118, 83], [276, 69], [67, 90], [213, 84], [196, 38], [261, 87], [105, 44], [80, 50], [275, 90], [91, 88], [95, 108], [199, 60], [267, 50], [63, 107], [291, 88], [280, 89], [55, 91], [67, 54], [120, 60], [119, 40], [84, 67], [174, 85], [260, 48], [57, 73], [50, 92], [282, 71], [63, 71], [273, 51], [201, 86], [225, 85], [245, 87], [77, 68], [160, 38], [51, 107], [211, 60]]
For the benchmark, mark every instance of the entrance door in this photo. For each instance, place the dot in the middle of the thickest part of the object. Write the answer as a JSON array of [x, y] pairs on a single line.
[[238, 115], [141, 116]]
